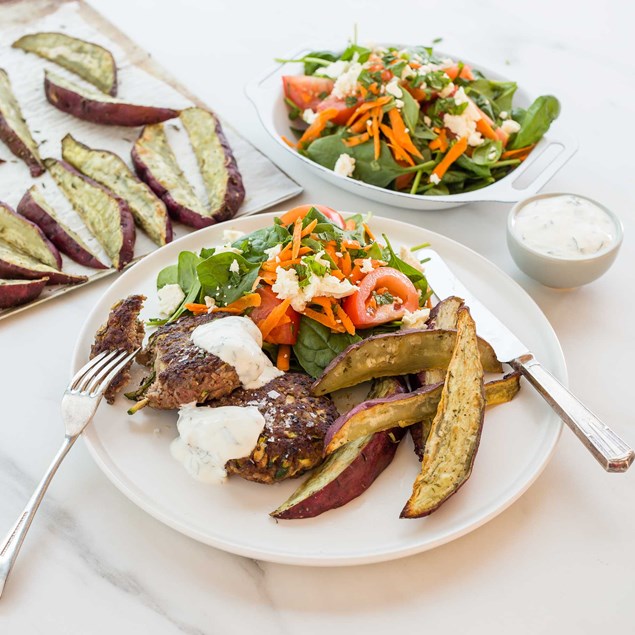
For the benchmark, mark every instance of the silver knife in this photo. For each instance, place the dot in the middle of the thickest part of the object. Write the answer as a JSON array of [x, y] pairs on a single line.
[[611, 452]]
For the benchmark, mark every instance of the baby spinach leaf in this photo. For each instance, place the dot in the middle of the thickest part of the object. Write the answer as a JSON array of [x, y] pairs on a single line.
[[253, 245], [186, 276], [410, 110], [464, 162], [363, 53], [317, 346], [416, 277], [488, 152], [539, 116], [500, 94], [168, 275], [225, 286]]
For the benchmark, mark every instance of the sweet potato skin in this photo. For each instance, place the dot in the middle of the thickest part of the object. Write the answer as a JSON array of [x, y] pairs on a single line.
[[52, 256], [12, 268], [17, 292], [17, 147], [33, 211], [373, 459], [108, 113]]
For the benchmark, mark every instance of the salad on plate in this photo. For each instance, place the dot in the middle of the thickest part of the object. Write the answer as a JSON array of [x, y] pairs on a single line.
[[409, 119]]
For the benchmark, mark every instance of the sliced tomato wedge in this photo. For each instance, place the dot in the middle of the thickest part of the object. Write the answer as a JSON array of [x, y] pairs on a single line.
[[306, 91], [283, 334], [344, 112], [453, 72], [384, 295], [302, 210]]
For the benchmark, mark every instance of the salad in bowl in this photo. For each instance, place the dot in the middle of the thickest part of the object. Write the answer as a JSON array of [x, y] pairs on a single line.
[[409, 120]]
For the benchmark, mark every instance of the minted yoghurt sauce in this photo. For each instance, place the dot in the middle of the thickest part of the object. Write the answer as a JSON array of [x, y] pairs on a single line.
[[238, 342], [565, 226], [209, 437]]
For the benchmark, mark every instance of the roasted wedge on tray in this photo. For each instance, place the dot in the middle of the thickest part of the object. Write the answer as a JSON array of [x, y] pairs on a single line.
[[106, 215], [24, 236], [14, 131], [90, 61], [34, 207], [456, 429], [398, 353], [348, 472], [109, 170], [223, 183], [88, 103], [17, 292]]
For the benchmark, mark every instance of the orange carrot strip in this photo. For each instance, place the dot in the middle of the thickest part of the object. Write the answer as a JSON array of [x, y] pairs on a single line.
[[309, 228], [399, 128], [323, 319], [330, 250], [338, 274], [297, 237], [351, 142], [288, 142], [326, 304], [314, 130], [239, 306], [451, 156], [346, 321], [369, 233], [351, 244], [374, 131], [365, 107], [345, 264], [453, 72], [285, 252], [356, 274], [511, 154], [440, 143], [196, 308], [350, 225], [398, 152], [273, 319], [283, 357]]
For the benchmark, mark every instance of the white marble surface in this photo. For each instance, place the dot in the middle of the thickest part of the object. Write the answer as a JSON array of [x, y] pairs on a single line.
[[558, 561]]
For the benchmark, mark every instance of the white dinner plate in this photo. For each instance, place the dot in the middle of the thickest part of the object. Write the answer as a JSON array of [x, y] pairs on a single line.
[[518, 439], [549, 155]]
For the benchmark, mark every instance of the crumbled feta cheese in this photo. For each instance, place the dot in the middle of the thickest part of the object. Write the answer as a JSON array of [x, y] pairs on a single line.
[[424, 69], [415, 319], [170, 297], [492, 154], [320, 260], [345, 165], [339, 254], [333, 70], [346, 83], [407, 72], [393, 88], [234, 267], [210, 303], [287, 286], [503, 114], [231, 235], [434, 178], [464, 125], [273, 252], [399, 103], [447, 91], [406, 255], [308, 116], [367, 265], [510, 126], [427, 121], [273, 394]]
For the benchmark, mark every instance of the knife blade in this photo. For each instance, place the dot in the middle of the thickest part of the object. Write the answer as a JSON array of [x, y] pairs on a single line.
[[607, 447]]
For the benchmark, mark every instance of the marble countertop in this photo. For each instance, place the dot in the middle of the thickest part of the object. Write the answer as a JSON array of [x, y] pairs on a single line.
[[557, 561]]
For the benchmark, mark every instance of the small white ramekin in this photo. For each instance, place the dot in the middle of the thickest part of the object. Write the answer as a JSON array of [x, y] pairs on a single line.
[[557, 272]]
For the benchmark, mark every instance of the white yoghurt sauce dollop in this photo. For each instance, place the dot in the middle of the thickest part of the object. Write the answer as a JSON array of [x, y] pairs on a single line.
[[564, 226], [209, 437], [238, 342]]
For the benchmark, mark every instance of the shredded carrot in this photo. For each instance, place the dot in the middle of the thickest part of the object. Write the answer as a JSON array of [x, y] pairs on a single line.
[[440, 143], [356, 274], [195, 308], [330, 250], [315, 129], [297, 237], [351, 244], [283, 357], [326, 304], [346, 321], [350, 225], [399, 153], [345, 263], [369, 233], [514, 154], [374, 131], [357, 140], [338, 274], [401, 132], [239, 306], [484, 127], [360, 126], [451, 156], [309, 228], [376, 263], [288, 142], [271, 265], [365, 107], [273, 319], [285, 252], [323, 319]]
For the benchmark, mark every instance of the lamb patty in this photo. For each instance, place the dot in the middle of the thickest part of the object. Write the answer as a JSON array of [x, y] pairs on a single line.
[[122, 330], [183, 372], [296, 422]]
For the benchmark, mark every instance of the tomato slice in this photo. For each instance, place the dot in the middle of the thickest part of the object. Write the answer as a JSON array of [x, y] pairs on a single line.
[[384, 295], [344, 112], [283, 334], [302, 210], [306, 91]]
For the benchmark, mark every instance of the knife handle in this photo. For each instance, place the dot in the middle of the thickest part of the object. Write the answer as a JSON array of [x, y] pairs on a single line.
[[610, 451]]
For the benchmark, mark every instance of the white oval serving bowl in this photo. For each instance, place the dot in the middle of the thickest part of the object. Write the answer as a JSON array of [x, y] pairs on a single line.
[[555, 271], [551, 153]]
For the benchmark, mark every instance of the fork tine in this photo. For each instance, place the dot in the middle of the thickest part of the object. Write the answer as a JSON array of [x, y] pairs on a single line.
[[89, 366], [106, 381], [94, 379]]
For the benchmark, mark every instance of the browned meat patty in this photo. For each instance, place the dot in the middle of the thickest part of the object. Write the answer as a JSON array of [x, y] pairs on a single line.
[[182, 372], [296, 422], [123, 330]]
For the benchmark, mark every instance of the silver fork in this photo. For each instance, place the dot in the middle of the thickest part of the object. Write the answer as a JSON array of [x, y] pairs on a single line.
[[79, 404]]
